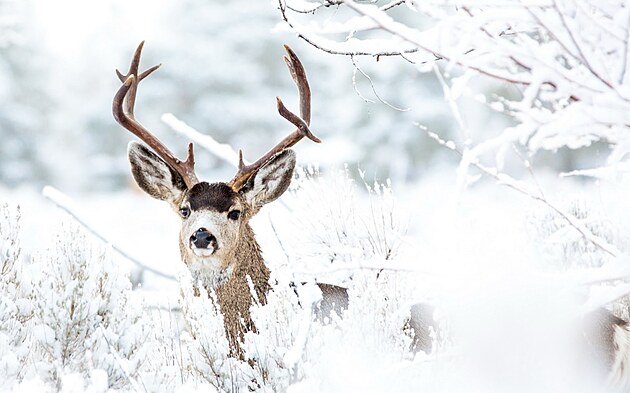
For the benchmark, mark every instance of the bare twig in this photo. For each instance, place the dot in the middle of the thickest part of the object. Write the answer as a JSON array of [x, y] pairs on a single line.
[[392, 4], [356, 89]]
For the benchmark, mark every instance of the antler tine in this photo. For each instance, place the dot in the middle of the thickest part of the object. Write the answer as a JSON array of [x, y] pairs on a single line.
[[123, 110], [299, 77], [296, 69]]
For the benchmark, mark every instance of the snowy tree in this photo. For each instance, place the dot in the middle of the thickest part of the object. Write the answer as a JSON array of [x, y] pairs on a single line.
[[558, 70], [562, 64]]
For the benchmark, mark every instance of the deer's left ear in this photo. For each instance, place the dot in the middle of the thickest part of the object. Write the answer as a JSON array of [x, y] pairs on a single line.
[[271, 181]]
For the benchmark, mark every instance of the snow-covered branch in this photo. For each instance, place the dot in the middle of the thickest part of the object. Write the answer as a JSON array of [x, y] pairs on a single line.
[[221, 150], [569, 60], [521, 187]]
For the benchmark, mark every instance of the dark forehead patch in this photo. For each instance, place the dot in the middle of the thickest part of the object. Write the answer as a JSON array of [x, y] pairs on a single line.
[[215, 196]]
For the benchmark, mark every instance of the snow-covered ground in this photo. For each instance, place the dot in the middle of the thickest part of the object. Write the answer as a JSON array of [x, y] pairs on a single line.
[[505, 273]]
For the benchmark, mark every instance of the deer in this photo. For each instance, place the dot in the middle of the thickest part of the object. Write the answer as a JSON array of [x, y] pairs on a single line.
[[216, 241]]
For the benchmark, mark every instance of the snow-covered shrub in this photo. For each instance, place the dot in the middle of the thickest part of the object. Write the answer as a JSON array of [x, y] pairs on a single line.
[[206, 350], [340, 235], [85, 315], [283, 328], [334, 225], [566, 248], [562, 245], [164, 367], [352, 351], [15, 309]]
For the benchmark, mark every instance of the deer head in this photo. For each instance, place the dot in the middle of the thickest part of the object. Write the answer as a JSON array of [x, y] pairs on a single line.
[[216, 242]]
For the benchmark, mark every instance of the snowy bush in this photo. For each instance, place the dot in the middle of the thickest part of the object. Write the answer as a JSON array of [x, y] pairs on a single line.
[[333, 226], [565, 247], [338, 234], [15, 309], [68, 316], [204, 342], [85, 315]]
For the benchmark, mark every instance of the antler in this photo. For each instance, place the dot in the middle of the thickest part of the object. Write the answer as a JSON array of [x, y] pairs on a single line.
[[122, 108], [302, 122]]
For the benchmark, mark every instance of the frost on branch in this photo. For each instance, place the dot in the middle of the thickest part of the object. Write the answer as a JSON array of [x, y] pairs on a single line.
[[567, 61]]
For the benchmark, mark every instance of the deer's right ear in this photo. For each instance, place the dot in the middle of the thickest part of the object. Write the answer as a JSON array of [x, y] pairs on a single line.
[[153, 175]]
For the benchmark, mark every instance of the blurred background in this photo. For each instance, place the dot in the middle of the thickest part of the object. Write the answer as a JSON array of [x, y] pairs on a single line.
[[222, 68]]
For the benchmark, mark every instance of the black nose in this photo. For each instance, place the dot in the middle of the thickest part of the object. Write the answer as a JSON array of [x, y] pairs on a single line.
[[202, 238]]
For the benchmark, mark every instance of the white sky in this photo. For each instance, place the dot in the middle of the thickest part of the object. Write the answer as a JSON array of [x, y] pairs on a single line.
[[67, 24]]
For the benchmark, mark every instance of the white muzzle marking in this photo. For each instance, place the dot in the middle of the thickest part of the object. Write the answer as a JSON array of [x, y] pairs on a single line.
[[202, 252]]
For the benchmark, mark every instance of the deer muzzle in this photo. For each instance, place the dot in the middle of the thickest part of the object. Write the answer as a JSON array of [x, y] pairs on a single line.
[[203, 243]]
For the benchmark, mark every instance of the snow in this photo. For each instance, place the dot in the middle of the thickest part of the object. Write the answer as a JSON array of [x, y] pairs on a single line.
[[509, 218], [497, 272]]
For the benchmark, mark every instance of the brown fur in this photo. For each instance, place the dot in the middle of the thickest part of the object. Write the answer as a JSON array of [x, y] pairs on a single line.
[[334, 299], [215, 196], [235, 297], [599, 346], [421, 322]]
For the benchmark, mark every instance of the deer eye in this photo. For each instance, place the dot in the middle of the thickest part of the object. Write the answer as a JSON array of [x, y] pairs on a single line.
[[234, 214], [184, 212]]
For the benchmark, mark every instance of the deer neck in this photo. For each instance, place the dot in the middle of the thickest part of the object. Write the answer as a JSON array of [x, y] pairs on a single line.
[[234, 294], [248, 262]]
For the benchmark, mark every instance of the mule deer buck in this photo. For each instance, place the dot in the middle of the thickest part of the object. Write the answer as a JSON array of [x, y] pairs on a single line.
[[216, 241]]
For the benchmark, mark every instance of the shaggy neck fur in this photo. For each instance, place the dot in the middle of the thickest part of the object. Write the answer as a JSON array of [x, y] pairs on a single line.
[[232, 288]]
